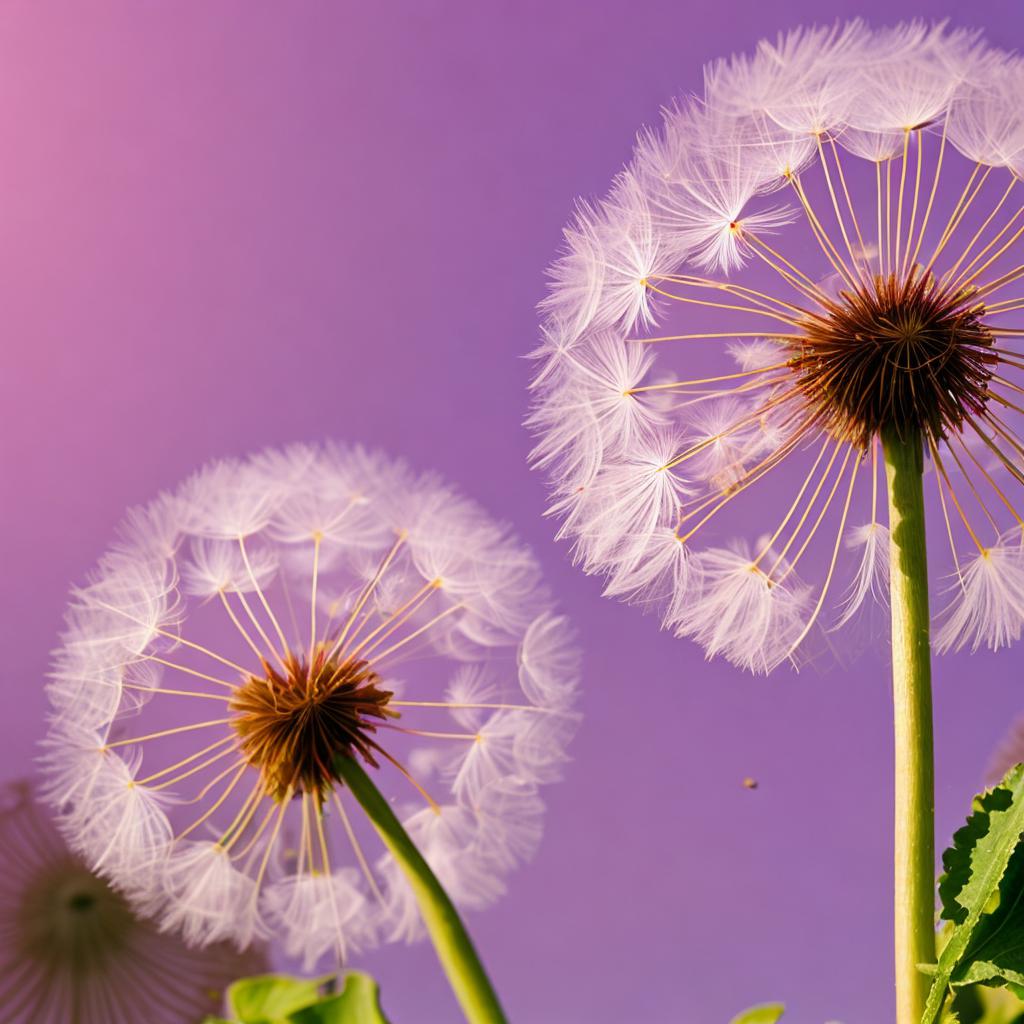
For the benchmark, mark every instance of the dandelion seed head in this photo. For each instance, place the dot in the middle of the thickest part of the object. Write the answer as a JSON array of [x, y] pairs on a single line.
[[301, 606], [833, 234]]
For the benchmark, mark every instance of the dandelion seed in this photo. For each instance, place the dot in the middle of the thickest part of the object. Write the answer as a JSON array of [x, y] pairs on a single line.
[[833, 240], [286, 610], [73, 950]]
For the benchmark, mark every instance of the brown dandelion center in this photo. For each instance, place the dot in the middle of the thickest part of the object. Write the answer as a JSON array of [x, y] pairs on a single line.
[[898, 355], [293, 723]]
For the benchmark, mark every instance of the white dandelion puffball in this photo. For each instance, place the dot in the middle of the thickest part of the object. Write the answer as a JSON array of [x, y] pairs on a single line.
[[267, 616], [823, 250], [71, 950]]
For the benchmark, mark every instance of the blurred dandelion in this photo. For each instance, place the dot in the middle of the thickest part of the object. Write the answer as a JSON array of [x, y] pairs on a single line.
[[72, 950], [888, 163], [1008, 753], [268, 616]]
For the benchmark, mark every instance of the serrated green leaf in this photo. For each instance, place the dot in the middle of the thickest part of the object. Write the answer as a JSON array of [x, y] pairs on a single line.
[[996, 952], [358, 1003], [271, 998], [764, 1013], [956, 861], [975, 868]]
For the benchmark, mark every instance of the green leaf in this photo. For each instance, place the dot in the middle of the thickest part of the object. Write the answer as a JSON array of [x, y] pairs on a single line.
[[979, 880], [957, 860], [765, 1013], [358, 1003], [996, 952], [271, 998]]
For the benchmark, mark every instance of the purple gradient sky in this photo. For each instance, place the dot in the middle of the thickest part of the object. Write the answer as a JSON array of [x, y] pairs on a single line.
[[226, 225]]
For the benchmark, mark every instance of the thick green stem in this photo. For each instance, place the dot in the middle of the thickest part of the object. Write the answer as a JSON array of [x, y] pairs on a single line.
[[912, 717], [451, 942]]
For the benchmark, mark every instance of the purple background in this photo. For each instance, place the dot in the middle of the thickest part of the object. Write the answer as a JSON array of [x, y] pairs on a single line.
[[226, 225]]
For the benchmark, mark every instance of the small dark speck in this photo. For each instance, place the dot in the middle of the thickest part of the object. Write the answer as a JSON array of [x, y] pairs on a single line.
[[749, 783]]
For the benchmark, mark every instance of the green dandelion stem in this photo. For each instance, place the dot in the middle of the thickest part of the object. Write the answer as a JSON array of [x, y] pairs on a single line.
[[912, 718], [451, 941]]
